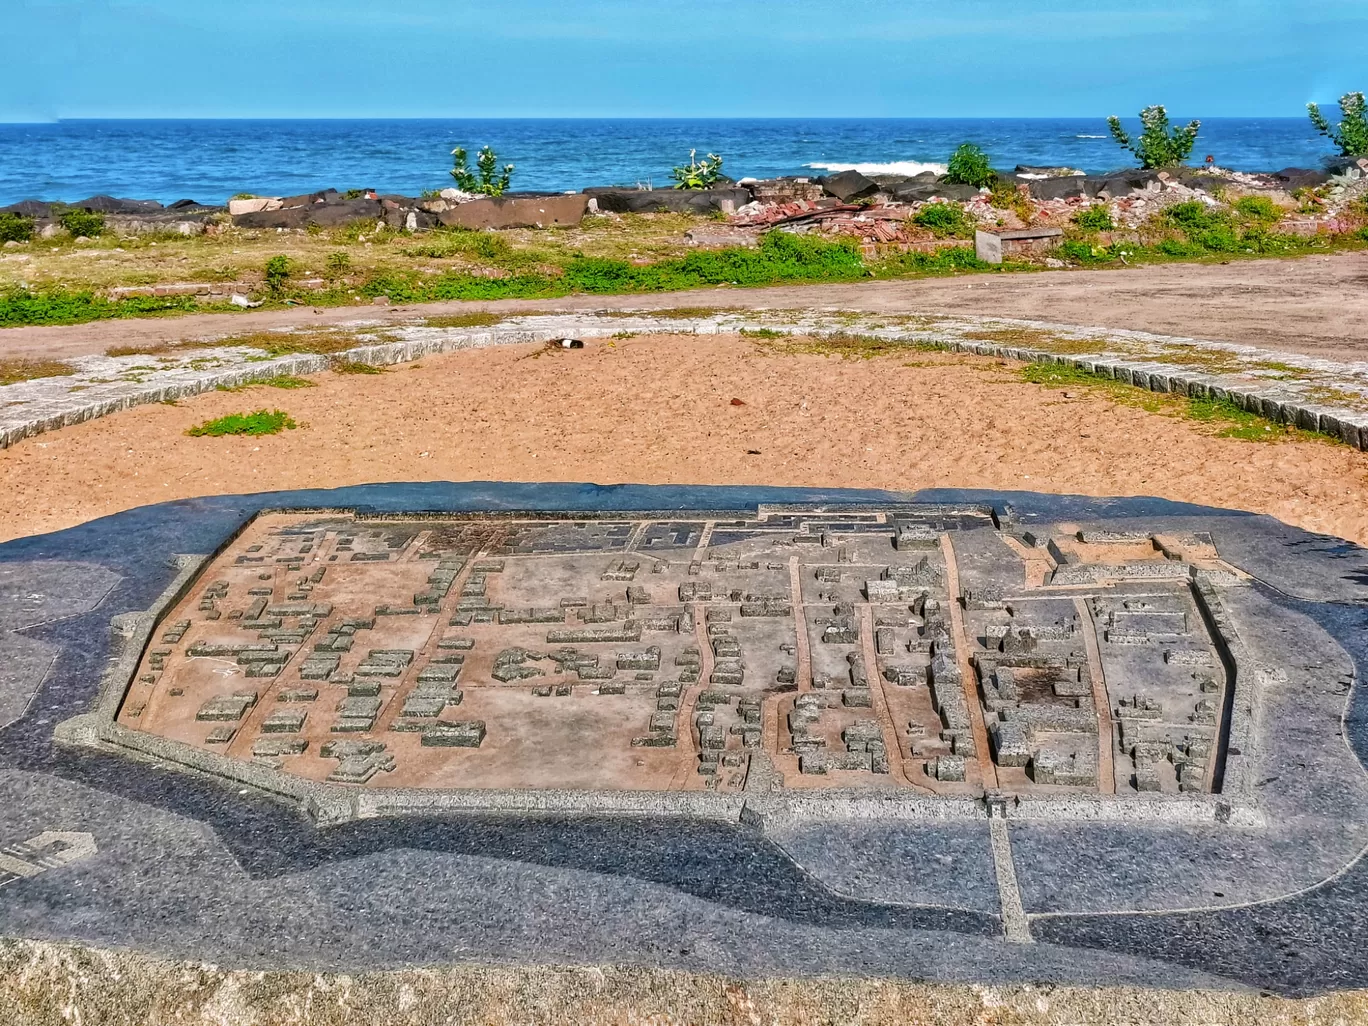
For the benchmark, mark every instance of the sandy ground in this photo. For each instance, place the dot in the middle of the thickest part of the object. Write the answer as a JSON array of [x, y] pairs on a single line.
[[655, 410], [1313, 305]]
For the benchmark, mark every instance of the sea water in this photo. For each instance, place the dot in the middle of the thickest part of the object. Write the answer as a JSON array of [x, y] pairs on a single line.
[[210, 161]]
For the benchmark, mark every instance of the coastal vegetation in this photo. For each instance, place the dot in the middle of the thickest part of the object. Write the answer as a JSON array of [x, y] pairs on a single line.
[[1160, 144], [487, 179], [79, 223], [698, 174], [969, 165], [945, 220], [15, 228], [1351, 135]]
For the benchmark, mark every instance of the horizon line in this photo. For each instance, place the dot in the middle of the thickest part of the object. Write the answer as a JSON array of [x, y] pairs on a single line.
[[653, 117]]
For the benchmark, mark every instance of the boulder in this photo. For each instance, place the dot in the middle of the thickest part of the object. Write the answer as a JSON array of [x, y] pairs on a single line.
[[110, 205], [1116, 184], [28, 208], [678, 201], [1061, 187], [322, 215], [253, 205], [848, 186], [1048, 172], [1293, 178], [517, 212]]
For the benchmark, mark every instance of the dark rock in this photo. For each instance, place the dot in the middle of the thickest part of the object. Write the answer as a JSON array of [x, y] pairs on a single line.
[[110, 205], [323, 215], [679, 201], [848, 186], [28, 208], [1293, 178], [1116, 184], [188, 204], [1066, 187], [1339, 165]]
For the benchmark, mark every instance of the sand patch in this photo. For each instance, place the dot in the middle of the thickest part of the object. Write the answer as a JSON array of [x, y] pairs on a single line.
[[659, 410]]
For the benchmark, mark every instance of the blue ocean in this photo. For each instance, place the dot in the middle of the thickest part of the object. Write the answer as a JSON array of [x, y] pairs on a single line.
[[209, 161]]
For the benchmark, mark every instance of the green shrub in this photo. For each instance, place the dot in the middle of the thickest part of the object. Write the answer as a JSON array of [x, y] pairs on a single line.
[[969, 165], [63, 306], [490, 180], [15, 228], [1220, 238], [278, 270], [261, 422], [1160, 144], [1192, 216], [88, 223], [1352, 134], [944, 220], [1094, 219], [1258, 208], [1179, 248], [698, 174], [1362, 234]]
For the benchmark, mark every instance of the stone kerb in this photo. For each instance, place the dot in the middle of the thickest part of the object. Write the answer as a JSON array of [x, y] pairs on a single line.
[[1277, 402]]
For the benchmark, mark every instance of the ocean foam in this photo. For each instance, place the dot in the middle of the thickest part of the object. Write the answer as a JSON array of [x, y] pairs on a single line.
[[894, 167]]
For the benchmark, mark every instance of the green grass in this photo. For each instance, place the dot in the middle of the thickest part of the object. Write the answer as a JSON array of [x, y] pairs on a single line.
[[468, 320], [278, 381], [1227, 419], [14, 371], [60, 305], [261, 422]]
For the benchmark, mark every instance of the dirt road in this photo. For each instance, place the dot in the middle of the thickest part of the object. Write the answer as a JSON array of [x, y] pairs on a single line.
[[1313, 305]]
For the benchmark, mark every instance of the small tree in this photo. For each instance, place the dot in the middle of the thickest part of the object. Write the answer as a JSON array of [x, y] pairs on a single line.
[[969, 165], [1352, 135], [698, 174], [490, 181], [1160, 144]]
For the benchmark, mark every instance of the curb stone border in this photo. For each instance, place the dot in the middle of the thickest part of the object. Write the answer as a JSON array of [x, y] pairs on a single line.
[[1278, 404]]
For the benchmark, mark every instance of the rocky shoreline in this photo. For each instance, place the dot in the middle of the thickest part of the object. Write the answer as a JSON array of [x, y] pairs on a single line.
[[746, 203]]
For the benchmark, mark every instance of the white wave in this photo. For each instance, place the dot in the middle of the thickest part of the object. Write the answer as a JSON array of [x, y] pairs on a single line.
[[894, 167], [1090, 137]]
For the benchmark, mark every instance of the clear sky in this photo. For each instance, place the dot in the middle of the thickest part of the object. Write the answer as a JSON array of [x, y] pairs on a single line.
[[658, 58]]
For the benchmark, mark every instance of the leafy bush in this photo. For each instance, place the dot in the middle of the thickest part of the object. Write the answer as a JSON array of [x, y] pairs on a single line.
[[1352, 134], [490, 181], [1094, 219], [698, 174], [1219, 238], [1179, 248], [89, 223], [969, 165], [15, 228], [944, 220], [261, 422], [1160, 144], [1257, 208], [277, 274]]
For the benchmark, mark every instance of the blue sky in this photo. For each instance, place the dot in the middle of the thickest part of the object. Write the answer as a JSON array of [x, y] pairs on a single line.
[[648, 58]]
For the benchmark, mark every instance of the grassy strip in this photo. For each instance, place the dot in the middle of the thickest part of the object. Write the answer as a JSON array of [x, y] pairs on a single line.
[[14, 371], [66, 306], [1226, 418], [323, 342], [288, 381], [260, 422], [355, 367]]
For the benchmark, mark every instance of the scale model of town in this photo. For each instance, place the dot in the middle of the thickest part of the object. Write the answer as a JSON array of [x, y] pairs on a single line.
[[924, 649]]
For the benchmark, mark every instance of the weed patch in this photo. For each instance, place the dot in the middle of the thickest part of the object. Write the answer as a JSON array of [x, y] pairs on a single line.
[[355, 367], [261, 422], [64, 306], [469, 320], [14, 371], [278, 381]]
